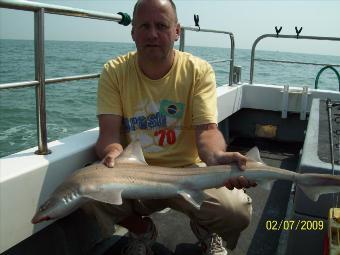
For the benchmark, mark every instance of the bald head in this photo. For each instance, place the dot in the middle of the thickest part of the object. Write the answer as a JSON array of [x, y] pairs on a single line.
[[140, 3]]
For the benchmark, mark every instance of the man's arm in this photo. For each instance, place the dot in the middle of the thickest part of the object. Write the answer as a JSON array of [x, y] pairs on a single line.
[[211, 148], [108, 145]]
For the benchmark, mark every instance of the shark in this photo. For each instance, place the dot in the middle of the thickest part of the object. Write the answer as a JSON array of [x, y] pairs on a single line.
[[132, 178]]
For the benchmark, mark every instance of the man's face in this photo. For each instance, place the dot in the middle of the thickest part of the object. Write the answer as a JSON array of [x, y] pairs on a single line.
[[155, 30]]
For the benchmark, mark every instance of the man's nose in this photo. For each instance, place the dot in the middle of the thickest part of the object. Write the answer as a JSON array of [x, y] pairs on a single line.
[[153, 32]]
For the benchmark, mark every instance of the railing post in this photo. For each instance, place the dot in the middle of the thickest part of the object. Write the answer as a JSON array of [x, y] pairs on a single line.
[[252, 58], [182, 39], [40, 77], [231, 64]]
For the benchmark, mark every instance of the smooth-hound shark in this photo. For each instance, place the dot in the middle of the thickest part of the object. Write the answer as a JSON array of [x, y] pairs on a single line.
[[132, 178]]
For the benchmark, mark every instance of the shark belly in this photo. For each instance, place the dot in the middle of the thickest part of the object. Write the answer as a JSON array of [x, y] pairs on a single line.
[[150, 191]]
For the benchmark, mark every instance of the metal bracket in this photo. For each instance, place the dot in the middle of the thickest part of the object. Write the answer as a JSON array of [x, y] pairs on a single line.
[[237, 74], [197, 20], [298, 32], [278, 30], [285, 101]]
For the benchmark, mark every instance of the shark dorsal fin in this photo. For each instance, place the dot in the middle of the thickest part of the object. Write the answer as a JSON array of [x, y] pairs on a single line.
[[254, 154], [132, 154]]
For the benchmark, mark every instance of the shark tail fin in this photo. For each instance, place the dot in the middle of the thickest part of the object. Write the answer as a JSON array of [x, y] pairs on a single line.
[[314, 185]]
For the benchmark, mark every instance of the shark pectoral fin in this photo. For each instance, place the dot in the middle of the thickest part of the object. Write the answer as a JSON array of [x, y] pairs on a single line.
[[265, 184], [194, 197], [110, 197]]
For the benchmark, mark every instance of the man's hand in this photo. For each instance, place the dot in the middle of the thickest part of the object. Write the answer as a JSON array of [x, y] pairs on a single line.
[[235, 182], [240, 182], [109, 159]]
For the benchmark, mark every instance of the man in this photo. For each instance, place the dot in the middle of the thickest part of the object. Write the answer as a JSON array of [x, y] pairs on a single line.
[[167, 100]]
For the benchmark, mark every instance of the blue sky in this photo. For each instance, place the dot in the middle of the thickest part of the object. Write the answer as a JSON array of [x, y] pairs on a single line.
[[246, 19]]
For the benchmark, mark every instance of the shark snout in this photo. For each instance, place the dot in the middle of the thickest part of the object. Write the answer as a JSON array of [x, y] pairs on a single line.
[[37, 219]]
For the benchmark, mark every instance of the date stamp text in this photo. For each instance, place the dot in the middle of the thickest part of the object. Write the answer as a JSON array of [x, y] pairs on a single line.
[[301, 225]]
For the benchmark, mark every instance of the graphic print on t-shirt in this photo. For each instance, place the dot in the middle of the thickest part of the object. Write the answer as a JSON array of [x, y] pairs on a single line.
[[171, 109], [156, 125]]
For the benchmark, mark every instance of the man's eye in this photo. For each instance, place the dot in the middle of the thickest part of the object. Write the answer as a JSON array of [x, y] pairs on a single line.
[[144, 26], [162, 26]]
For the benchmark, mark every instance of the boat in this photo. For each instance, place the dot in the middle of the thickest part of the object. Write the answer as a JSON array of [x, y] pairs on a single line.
[[296, 128]]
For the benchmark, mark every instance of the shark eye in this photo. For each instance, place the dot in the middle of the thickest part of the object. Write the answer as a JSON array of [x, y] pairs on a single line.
[[45, 206]]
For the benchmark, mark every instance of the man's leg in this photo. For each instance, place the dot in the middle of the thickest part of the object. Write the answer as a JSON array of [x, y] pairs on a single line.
[[108, 215], [225, 212], [142, 231]]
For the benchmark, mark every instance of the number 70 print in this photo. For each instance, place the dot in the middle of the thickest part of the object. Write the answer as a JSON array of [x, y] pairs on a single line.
[[167, 134]]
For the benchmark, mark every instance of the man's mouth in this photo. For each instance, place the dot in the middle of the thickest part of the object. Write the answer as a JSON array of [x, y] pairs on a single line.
[[152, 46]]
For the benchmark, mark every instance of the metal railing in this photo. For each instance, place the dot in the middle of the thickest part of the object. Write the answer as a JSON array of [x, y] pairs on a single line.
[[232, 47], [39, 10], [253, 59]]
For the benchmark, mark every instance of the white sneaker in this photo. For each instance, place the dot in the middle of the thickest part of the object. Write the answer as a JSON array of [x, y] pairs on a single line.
[[211, 243], [141, 244]]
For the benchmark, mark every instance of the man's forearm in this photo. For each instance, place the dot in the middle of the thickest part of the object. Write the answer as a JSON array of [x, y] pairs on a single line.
[[211, 148], [210, 143], [104, 147], [109, 135]]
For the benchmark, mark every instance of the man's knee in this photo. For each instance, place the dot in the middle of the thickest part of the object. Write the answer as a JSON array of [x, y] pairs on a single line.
[[244, 218], [232, 208], [237, 217], [242, 210]]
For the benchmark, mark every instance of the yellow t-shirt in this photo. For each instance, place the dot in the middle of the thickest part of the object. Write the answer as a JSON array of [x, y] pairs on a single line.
[[160, 113]]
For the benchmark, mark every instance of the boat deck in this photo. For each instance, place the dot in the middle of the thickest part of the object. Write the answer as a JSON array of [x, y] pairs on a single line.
[[175, 236]]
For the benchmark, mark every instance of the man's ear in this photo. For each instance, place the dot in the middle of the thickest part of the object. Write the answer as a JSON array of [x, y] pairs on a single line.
[[132, 34], [178, 32], [177, 37]]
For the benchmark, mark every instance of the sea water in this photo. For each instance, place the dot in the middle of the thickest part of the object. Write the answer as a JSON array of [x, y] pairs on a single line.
[[71, 106]]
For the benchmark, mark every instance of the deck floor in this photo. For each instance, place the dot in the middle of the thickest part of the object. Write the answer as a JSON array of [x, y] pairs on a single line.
[[175, 236]]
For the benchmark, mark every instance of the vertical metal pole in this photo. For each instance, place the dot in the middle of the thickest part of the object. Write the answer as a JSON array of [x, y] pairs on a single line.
[[285, 100], [252, 62], [231, 69], [182, 40], [40, 77], [304, 103], [331, 145]]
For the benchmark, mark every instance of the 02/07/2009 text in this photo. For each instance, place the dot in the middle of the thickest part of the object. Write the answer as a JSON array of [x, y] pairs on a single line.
[[303, 225]]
